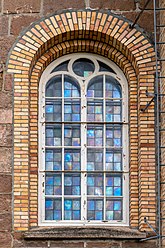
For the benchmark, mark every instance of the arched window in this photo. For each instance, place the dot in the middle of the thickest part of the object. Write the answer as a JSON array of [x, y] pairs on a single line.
[[83, 142]]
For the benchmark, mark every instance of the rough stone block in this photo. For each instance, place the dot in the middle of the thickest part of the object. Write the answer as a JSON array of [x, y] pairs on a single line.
[[4, 23], [146, 18], [20, 22], [113, 4], [5, 116], [6, 43], [21, 6], [5, 203], [5, 184], [8, 84], [5, 240], [5, 222], [50, 6], [5, 159], [5, 100], [6, 135]]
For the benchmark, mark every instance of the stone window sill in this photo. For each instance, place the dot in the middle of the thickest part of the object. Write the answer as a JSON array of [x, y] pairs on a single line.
[[84, 233]]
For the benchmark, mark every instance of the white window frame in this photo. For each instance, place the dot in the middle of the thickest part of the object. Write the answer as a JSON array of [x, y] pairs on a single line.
[[46, 76]]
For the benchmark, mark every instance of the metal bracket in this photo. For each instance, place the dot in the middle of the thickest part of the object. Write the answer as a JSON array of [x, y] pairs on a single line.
[[149, 103], [152, 237]]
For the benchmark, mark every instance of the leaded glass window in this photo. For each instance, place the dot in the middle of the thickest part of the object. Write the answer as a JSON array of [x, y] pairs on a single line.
[[83, 130]]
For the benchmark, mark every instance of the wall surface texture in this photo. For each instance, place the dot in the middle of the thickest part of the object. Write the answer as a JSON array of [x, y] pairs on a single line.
[[36, 33]]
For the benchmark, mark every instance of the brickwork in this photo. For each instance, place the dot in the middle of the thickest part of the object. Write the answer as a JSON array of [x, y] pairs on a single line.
[[99, 32], [111, 37]]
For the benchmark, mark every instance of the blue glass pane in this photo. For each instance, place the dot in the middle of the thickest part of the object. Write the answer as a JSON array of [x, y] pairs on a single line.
[[95, 184], [72, 160], [72, 209], [72, 110], [71, 88], [95, 111], [117, 205], [113, 160], [109, 215], [49, 204], [112, 88], [83, 67], [53, 159], [53, 111], [94, 159], [117, 191], [72, 184], [95, 209], [53, 135], [54, 87]]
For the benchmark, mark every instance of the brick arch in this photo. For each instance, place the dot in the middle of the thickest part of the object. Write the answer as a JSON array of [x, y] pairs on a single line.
[[98, 32]]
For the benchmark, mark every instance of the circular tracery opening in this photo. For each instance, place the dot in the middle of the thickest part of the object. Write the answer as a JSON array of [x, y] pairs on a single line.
[[83, 67]]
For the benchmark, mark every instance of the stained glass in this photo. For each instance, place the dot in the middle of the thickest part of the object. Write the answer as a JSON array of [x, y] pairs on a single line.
[[53, 184], [113, 160], [53, 111], [95, 88], [114, 210], [113, 185], [72, 159], [95, 111], [113, 136], [83, 67], [95, 184], [72, 110], [113, 88], [72, 184], [106, 68], [61, 67], [72, 209], [95, 135], [113, 111], [53, 135], [53, 209], [53, 159], [94, 159], [95, 209], [71, 88], [54, 87]]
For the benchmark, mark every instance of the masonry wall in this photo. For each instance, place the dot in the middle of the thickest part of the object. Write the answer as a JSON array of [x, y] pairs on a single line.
[[16, 16]]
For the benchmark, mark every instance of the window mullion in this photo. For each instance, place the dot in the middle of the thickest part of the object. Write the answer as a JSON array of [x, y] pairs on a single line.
[[104, 145], [83, 154], [62, 140]]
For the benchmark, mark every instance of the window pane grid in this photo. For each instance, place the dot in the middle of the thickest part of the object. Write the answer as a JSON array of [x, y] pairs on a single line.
[[101, 140]]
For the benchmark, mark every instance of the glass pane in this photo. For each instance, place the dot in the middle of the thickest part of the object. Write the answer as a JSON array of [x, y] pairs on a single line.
[[72, 209], [113, 185], [53, 209], [53, 159], [114, 136], [53, 135], [83, 67], [72, 110], [113, 160], [95, 209], [72, 184], [62, 67], [113, 111], [72, 135], [53, 111], [71, 88], [95, 184], [112, 88], [104, 67], [94, 159], [54, 87], [114, 210], [94, 135], [95, 111], [95, 88], [53, 184], [72, 159]]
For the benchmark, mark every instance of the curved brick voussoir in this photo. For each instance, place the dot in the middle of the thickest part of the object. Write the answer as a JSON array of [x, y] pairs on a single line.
[[71, 25]]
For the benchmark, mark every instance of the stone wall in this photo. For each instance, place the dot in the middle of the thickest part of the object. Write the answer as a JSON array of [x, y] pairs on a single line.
[[16, 16]]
